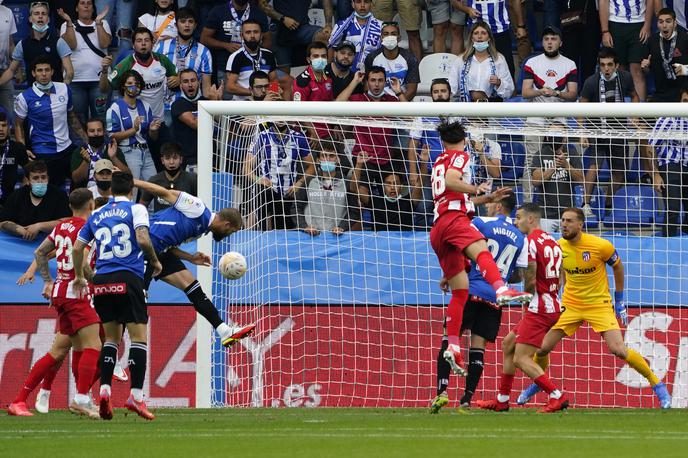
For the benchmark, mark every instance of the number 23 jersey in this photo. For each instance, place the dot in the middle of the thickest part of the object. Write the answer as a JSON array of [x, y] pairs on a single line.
[[445, 199]]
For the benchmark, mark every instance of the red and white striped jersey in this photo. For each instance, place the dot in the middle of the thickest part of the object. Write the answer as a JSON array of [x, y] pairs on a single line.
[[446, 199], [546, 253], [63, 236]]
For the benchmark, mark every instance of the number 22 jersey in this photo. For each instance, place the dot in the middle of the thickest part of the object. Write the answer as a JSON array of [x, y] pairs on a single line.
[[546, 253]]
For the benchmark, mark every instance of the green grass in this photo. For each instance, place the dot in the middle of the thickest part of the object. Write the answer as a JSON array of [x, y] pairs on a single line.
[[351, 432]]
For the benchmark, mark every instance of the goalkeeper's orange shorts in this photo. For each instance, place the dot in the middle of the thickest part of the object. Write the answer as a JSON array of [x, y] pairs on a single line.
[[601, 318]]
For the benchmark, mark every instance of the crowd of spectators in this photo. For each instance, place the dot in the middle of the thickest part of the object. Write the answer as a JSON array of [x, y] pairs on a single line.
[[104, 85]]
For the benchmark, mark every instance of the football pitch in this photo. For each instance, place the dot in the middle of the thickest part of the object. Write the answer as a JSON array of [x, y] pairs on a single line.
[[324, 432]]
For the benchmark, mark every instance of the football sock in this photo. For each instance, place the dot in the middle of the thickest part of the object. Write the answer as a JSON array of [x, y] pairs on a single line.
[[489, 270], [443, 368], [108, 359], [547, 386], [506, 381], [50, 375], [637, 362], [475, 371], [455, 314], [137, 364], [202, 304], [36, 374], [76, 357], [223, 330], [88, 366], [542, 361]]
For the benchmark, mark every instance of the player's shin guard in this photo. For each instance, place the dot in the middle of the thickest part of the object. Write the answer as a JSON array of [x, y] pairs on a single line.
[[137, 368], [36, 374], [455, 314], [88, 366], [202, 304], [637, 362], [489, 269], [108, 359], [475, 371], [542, 361], [443, 368]]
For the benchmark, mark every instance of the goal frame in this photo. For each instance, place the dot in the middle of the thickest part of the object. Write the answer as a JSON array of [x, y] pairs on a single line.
[[208, 109]]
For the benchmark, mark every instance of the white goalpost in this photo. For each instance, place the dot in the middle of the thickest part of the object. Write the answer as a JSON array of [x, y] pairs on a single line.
[[355, 319]]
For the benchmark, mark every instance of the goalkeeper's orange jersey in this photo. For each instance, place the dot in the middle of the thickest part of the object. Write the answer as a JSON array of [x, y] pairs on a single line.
[[586, 274]]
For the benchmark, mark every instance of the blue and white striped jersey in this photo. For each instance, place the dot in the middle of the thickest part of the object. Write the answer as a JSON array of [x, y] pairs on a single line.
[[670, 150], [47, 117], [113, 226], [679, 7], [186, 220], [366, 37], [509, 248], [494, 12], [194, 56], [627, 11], [120, 117], [278, 155]]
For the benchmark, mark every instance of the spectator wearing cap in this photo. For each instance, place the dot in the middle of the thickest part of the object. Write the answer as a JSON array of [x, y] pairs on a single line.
[[481, 73], [626, 27], [339, 69], [248, 59], [84, 160], [667, 60], [361, 28], [102, 178], [172, 177], [548, 77], [398, 63], [35, 207]]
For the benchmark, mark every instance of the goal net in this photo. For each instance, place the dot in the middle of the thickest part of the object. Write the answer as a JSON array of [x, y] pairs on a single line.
[[343, 283]]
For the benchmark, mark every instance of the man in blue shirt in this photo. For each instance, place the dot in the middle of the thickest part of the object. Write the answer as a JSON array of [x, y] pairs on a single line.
[[188, 219], [482, 315], [119, 231], [47, 107]]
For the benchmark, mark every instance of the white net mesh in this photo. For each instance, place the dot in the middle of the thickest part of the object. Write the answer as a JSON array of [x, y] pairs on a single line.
[[342, 280]]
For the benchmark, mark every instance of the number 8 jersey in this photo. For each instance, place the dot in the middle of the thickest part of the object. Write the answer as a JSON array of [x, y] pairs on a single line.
[[546, 253], [113, 227], [446, 199]]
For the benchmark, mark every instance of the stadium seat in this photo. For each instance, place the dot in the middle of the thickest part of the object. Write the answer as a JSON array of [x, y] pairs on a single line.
[[433, 66], [513, 157], [633, 206]]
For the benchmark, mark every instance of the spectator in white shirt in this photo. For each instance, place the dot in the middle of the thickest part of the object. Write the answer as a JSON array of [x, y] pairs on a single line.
[[89, 40], [481, 73], [161, 20]]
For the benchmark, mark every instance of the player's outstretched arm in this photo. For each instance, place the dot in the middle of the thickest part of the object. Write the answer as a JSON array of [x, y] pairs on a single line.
[[169, 195]]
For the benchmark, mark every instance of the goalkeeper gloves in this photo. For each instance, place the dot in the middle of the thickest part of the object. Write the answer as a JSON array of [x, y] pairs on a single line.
[[620, 307]]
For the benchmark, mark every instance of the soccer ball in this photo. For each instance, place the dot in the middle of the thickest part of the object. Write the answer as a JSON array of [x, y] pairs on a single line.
[[232, 265]]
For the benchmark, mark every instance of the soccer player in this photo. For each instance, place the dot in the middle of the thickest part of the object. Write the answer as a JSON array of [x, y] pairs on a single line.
[[482, 315], [520, 345], [187, 219], [120, 230], [76, 318], [454, 239], [586, 298]]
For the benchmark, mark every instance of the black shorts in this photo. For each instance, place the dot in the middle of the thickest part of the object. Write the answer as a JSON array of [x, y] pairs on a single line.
[[614, 151], [482, 319], [170, 265], [118, 296]]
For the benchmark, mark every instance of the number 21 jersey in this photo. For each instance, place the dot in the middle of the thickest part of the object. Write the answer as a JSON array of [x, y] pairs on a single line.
[[446, 199], [113, 227]]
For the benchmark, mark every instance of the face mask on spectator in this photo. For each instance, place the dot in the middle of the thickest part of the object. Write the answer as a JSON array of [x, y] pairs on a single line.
[[481, 46], [390, 42], [611, 78], [192, 98], [39, 28], [44, 87], [172, 170], [391, 199], [363, 16], [103, 185], [375, 96], [252, 45], [327, 166], [133, 91], [319, 64], [96, 141], [39, 189]]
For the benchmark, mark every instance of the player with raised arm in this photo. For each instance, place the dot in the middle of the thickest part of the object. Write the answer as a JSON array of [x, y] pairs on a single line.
[[120, 231], [188, 219], [520, 345], [586, 298], [482, 315], [454, 239]]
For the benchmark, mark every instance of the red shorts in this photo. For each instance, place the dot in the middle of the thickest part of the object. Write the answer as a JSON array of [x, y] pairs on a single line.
[[449, 236], [74, 314], [532, 328]]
